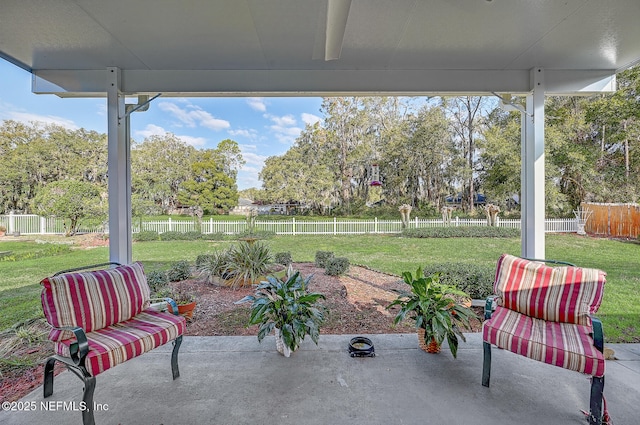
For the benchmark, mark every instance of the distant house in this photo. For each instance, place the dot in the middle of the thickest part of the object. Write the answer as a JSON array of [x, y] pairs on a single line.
[[244, 206], [478, 199]]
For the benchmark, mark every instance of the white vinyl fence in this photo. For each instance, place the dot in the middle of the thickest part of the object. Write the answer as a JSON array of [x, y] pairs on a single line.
[[35, 225]]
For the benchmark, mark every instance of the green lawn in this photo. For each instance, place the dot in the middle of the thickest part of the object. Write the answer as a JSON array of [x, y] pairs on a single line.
[[620, 311]]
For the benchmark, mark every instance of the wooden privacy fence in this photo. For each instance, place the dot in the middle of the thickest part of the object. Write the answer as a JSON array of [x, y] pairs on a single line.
[[614, 220]]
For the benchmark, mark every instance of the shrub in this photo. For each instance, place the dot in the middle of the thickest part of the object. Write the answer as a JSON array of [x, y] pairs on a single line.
[[258, 234], [461, 232], [214, 236], [322, 257], [146, 236], [247, 262], [171, 236], [192, 236], [201, 259], [157, 279], [210, 266], [474, 279], [179, 271], [283, 258], [336, 266]]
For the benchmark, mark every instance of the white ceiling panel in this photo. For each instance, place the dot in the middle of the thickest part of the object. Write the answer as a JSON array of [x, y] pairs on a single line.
[[387, 45]]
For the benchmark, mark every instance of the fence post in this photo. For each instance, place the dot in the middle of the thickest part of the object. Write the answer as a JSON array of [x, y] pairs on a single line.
[[293, 220], [43, 225], [375, 224], [457, 221], [170, 225], [335, 226], [210, 224], [12, 223]]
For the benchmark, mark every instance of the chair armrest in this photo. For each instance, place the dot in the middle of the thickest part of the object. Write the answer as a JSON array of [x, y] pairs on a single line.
[[77, 350], [490, 306], [598, 335]]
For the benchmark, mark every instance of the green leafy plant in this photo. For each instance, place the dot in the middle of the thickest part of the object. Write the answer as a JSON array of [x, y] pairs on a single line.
[[157, 279], [180, 270], [336, 266], [247, 262], [461, 232], [146, 236], [322, 257], [283, 258], [434, 307], [288, 306], [180, 295], [474, 279], [212, 266]]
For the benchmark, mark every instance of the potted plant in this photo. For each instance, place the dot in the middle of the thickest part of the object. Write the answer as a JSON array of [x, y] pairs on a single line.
[[288, 308], [3, 230], [438, 310], [185, 300]]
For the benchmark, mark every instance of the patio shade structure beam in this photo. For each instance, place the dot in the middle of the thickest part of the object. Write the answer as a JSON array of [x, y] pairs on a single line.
[[222, 48], [533, 170], [119, 170]]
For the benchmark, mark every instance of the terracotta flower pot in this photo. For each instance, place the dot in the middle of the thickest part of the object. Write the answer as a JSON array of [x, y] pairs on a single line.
[[185, 310]]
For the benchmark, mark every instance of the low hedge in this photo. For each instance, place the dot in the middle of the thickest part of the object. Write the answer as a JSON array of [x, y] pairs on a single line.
[[476, 280], [146, 236], [283, 258], [336, 266], [322, 257], [461, 232]]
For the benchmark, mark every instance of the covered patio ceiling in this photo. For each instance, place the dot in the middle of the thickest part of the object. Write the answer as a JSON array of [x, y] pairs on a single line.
[[119, 48], [320, 47]]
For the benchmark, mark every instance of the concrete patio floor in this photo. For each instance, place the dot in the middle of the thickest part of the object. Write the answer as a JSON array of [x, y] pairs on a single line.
[[235, 380]]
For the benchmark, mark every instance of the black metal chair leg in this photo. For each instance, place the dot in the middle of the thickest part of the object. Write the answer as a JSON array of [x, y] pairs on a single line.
[[87, 398], [174, 357], [486, 364], [48, 376], [595, 404]]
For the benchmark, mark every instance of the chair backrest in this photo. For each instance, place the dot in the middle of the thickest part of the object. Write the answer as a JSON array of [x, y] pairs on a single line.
[[95, 299], [559, 294]]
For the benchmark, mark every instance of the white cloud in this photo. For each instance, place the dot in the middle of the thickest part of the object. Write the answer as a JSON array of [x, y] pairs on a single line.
[[248, 174], [155, 130], [253, 159], [310, 119], [150, 130], [284, 121], [284, 128], [257, 103], [249, 134], [9, 112], [193, 116], [193, 141], [286, 135]]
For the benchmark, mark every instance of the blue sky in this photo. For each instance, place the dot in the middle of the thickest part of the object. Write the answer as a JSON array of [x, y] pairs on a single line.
[[261, 126]]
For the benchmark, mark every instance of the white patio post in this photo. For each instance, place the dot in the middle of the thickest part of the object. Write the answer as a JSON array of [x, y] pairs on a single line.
[[119, 169], [533, 191]]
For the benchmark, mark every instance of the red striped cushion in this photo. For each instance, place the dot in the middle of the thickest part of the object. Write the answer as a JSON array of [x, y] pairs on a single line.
[[561, 344], [94, 300], [558, 294], [120, 342]]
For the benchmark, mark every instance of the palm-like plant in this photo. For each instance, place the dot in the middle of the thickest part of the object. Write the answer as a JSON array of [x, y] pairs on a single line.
[[434, 307], [287, 306], [247, 262]]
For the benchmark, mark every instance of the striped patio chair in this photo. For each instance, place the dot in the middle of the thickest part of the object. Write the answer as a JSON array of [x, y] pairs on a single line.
[[100, 319], [546, 314]]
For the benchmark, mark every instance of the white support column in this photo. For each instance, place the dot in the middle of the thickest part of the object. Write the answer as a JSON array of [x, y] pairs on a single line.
[[119, 169], [533, 171]]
